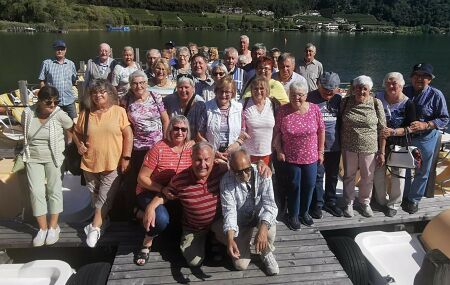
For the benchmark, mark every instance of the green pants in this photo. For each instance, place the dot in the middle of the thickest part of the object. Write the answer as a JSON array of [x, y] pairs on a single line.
[[45, 183]]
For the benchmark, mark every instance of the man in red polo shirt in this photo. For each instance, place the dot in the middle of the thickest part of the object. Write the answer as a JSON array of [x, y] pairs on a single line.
[[197, 188]]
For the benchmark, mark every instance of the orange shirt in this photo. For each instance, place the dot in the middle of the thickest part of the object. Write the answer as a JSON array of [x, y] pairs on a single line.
[[105, 139]]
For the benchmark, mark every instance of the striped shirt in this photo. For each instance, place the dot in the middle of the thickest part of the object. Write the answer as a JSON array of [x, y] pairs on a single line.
[[238, 77], [165, 163], [62, 76], [198, 198]]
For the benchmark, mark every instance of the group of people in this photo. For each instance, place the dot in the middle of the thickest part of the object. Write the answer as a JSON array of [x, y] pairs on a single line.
[[210, 133]]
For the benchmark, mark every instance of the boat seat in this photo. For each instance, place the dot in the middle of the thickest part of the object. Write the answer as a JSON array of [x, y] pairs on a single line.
[[437, 232]]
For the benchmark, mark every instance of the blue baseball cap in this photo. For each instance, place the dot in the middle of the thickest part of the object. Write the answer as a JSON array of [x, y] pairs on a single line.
[[423, 68], [59, 43]]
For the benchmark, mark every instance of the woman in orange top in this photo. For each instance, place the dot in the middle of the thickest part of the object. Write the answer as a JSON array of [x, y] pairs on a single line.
[[106, 152]]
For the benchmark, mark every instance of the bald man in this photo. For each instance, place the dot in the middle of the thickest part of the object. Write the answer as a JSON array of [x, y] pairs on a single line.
[[247, 203]]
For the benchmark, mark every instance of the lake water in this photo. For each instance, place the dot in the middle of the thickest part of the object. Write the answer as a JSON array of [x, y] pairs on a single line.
[[349, 55]]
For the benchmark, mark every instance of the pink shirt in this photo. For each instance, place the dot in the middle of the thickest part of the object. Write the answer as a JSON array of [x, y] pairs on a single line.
[[299, 133]]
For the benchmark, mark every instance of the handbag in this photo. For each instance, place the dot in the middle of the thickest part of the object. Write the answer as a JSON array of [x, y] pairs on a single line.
[[72, 161], [408, 156], [19, 164]]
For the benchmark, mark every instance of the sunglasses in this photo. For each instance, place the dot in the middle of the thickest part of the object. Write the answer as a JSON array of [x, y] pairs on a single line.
[[176, 129], [218, 73], [179, 76], [50, 102], [242, 171]]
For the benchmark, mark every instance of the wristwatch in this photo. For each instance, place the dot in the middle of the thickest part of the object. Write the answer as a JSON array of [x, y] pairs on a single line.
[[126, 157], [266, 223]]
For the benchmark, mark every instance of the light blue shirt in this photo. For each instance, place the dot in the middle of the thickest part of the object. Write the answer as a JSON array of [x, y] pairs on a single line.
[[62, 76]]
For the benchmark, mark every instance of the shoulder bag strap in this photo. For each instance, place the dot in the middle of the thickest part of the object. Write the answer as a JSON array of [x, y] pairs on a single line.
[[189, 105], [40, 128], [156, 102], [86, 124]]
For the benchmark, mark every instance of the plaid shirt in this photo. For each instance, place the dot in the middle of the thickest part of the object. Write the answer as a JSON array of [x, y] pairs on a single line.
[[62, 76], [244, 204]]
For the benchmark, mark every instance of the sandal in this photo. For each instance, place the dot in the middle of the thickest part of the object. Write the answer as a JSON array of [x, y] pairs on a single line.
[[143, 254]]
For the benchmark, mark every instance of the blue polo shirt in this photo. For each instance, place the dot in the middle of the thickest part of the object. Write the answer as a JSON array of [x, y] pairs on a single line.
[[330, 113], [430, 105]]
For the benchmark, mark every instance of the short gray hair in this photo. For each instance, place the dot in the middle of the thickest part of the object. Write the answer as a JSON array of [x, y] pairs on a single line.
[[220, 66], [137, 73], [298, 85], [153, 50], [185, 78], [128, 48], [363, 80], [258, 46], [244, 37], [183, 49], [286, 56], [178, 119], [397, 76], [310, 45], [200, 145], [230, 50]]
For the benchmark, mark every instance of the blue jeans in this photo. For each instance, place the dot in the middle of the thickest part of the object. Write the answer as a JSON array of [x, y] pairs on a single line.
[[162, 215], [330, 167], [415, 190], [301, 181]]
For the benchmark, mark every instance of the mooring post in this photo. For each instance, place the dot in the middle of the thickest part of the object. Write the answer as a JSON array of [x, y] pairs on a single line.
[[136, 56], [23, 92], [82, 66]]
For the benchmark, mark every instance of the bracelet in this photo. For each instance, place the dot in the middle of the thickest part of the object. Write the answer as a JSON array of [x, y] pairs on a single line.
[[239, 143], [428, 125], [321, 152], [126, 157], [394, 132]]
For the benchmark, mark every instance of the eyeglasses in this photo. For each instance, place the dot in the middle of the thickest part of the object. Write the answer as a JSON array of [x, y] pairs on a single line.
[[297, 95], [242, 171], [141, 83], [50, 102], [183, 55], [265, 68], [218, 73], [176, 129]]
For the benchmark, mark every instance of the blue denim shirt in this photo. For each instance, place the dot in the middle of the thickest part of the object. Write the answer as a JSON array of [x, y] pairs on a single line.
[[430, 105]]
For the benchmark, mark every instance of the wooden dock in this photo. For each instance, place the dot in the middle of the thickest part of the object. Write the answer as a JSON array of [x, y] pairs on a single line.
[[303, 256]]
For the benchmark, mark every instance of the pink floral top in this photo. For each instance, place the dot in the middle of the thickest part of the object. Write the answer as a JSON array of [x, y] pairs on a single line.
[[299, 133]]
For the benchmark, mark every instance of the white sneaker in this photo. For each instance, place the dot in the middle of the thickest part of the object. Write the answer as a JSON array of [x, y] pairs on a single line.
[[270, 263], [52, 236], [348, 211], [40, 237], [366, 210], [92, 235]]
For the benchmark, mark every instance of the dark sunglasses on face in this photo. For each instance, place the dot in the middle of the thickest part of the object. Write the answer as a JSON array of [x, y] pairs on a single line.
[[242, 171], [176, 129], [50, 102], [218, 73]]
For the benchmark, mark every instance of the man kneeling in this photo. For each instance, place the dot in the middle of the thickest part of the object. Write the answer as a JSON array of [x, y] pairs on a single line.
[[247, 202]]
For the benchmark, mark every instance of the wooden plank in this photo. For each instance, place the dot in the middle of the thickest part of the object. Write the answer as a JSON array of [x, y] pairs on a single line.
[[152, 276], [241, 277]]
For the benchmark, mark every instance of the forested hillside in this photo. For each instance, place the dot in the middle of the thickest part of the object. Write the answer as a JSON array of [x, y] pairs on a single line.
[[434, 13]]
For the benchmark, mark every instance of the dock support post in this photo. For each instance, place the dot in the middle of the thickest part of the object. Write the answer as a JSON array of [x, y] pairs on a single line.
[[23, 92], [137, 57]]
